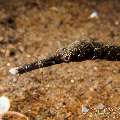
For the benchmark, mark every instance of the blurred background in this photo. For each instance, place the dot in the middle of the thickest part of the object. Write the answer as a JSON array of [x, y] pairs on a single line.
[[33, 29]]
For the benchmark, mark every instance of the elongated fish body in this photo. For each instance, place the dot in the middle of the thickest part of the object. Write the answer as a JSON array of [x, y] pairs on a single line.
[[84, 50], [77, 51]]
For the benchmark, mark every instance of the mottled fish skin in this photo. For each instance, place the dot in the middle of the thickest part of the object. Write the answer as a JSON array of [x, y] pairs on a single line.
[[85, 49], [89, 49]]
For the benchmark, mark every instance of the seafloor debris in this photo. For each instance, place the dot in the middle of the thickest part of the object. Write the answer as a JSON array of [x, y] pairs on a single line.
[[94, 14], [100, 106], [84, 49], [85, 109], [5, 106]]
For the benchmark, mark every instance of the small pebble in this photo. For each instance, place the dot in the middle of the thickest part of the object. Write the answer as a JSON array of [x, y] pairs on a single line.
[[116, 22], [100, 106], [72, 81], [14, 79], [85, 109], [28, 55], [54, 8], [8, 64], [95, 68], [94, 14], [4, 104]]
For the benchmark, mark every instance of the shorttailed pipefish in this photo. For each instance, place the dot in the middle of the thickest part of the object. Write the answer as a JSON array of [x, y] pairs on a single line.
[[81, 50]]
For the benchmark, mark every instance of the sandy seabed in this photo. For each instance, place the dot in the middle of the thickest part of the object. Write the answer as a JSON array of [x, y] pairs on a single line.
[[34, 29]]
